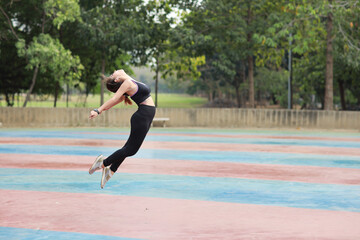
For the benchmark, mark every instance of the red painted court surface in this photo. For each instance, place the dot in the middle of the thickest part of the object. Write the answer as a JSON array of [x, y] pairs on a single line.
[[182, 184]]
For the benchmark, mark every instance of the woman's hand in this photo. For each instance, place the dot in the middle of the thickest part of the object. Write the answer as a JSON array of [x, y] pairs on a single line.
[[93, 114]]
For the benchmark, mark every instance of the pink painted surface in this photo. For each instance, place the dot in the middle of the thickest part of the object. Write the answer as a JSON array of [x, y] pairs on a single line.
[[191, 168], [190, 146], [157, 218], [254, 148]]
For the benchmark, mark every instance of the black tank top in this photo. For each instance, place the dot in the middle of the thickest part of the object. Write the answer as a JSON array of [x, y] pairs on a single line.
[[142, 93]]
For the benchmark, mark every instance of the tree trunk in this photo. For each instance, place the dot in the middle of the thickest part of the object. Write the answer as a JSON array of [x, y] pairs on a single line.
[[37, 67], [238, 97], [156, 81], [250, 61], [56, 94], [102, 82], [328, 99], [9, 22], [251, 82], [243, 93], [210, 91], [342, 94], [218, 90], [67, 95], [290, 88], [8, 100], [87, 91], [86, 96], [238, 79], [31, 86]]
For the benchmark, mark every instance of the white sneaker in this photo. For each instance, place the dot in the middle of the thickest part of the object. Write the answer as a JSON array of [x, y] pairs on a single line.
[[97, 164], [106, 175]]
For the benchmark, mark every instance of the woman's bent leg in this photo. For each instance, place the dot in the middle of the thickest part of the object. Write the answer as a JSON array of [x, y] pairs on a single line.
[[139, 128]]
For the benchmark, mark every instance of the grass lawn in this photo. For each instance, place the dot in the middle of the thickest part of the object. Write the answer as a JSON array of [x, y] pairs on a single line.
[[165, 100]]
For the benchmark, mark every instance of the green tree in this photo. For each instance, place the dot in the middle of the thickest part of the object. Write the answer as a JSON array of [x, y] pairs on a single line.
[[312, 27], [31, 19], [61, 11], [112, 32], [157, 39], [347, 53], [13, 77], [47, 54], [224, 32]]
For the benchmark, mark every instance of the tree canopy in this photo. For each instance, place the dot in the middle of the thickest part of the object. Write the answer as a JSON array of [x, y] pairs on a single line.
[[241, 53]]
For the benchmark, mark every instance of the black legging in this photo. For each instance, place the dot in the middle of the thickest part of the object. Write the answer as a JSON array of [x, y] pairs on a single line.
[[140, 124]]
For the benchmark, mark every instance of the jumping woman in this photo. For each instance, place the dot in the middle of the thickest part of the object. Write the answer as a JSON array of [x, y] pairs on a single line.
[[124, 86]]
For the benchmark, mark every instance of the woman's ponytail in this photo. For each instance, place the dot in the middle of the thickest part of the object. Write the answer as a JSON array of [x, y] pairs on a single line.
[[127, 101]]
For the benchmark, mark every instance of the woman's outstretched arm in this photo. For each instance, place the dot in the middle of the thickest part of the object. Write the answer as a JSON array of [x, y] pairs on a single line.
[[117, 98], [106, 106]]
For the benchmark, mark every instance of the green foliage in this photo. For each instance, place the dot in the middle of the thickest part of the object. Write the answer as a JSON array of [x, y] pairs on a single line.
[[92, 101], [183, 67], [303, 24], [50, 55], [347, 41], [309, 80], [203, 46], [62, 10], [272, 86], [295, 22]]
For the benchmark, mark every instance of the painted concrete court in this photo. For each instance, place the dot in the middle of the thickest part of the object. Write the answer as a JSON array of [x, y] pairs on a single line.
[[182, 184]]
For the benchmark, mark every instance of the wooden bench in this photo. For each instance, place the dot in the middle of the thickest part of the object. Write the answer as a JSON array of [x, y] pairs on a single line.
[[160, 121]]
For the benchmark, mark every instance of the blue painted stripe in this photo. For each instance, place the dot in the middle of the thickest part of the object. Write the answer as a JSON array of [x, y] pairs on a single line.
[[22, 233], [230, 132], [262, 192], [292, 142], [213, 156]]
